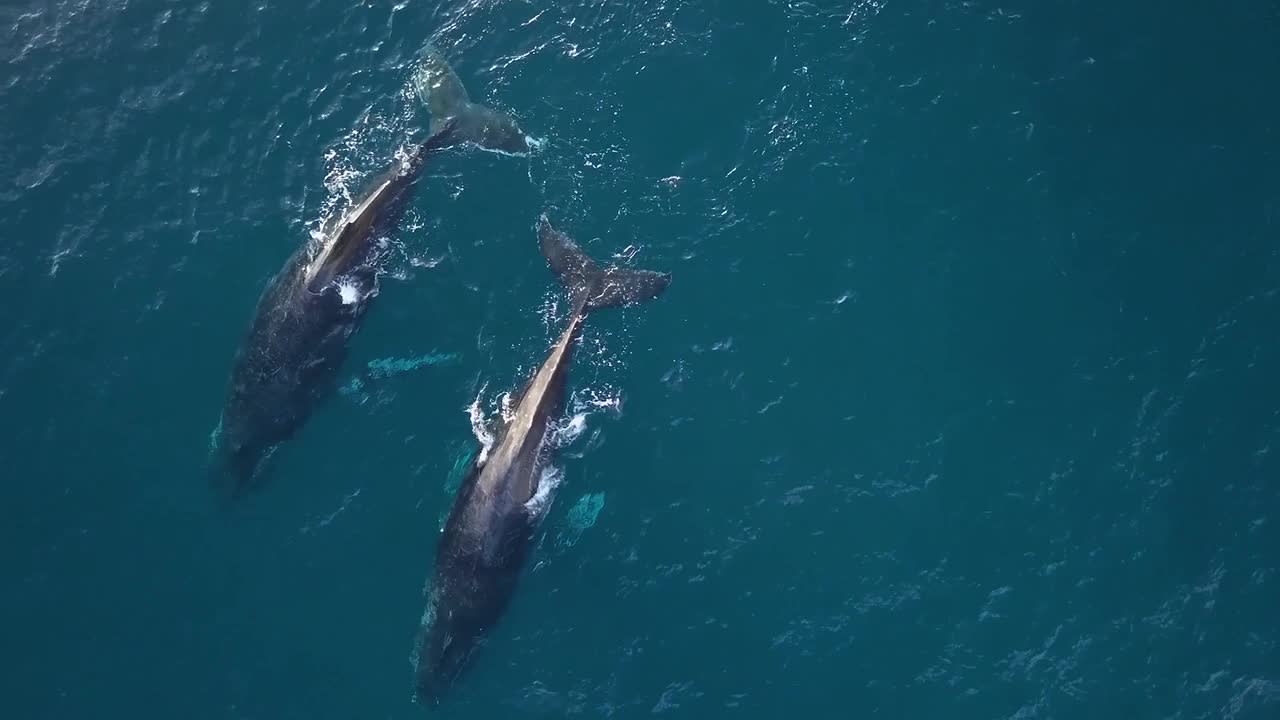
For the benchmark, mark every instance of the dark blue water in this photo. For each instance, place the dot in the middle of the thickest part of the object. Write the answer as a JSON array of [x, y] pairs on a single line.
[[962, 402]]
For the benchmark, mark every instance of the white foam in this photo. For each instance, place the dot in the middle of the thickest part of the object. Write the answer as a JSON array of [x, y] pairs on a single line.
[[531, 142], [626, 254], [508, 412], [56, 261], [570, 431], [548, 481], [427, 263], [215, 437], [478, 428], [591, 398], [349, 293], [583, 404]]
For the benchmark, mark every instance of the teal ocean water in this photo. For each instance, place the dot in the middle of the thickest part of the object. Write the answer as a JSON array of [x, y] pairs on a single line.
[[963, 401]]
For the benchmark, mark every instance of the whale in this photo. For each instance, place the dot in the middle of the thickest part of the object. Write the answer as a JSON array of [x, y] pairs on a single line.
[[288, 362], [490, 527]]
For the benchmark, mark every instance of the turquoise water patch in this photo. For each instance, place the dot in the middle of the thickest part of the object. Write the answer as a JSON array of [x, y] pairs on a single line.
[[355, 387], [215, 436], [581, 516], [461, 463], [387, 367], [383, 368], [459, 469]]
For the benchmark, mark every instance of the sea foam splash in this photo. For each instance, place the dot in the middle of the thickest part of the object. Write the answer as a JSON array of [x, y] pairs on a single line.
[[548, 481], [349, 293], [478, 427]]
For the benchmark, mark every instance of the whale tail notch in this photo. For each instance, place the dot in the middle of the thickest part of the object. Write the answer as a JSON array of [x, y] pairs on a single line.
[[589, 284], [446, 98]]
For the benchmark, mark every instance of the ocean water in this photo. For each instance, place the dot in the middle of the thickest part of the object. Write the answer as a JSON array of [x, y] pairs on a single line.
[[963, 401]]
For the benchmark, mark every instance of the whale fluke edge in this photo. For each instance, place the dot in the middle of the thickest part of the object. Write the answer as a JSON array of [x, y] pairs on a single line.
[[590, 286], [442, 91]]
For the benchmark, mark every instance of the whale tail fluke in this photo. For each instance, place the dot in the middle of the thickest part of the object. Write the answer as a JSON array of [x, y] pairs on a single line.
[[591, 285], [446, 98]]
